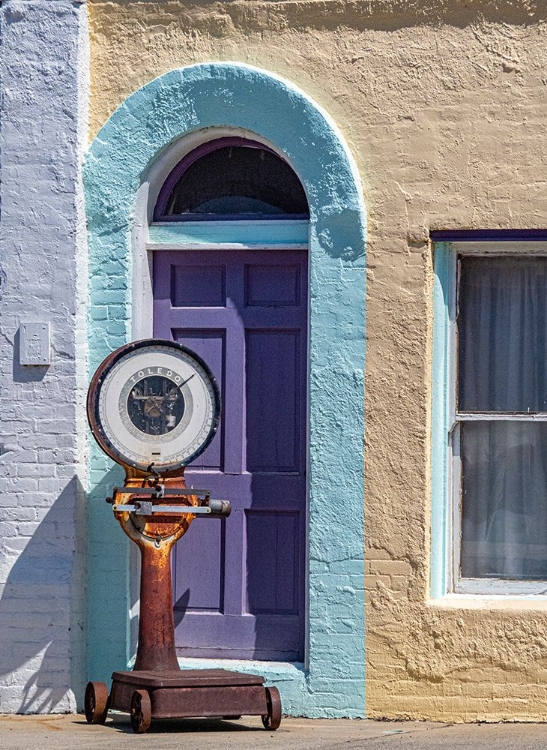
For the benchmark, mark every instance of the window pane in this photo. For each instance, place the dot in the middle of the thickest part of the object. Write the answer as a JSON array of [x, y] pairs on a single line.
[[502, 334], [238, 180], [504, 500]]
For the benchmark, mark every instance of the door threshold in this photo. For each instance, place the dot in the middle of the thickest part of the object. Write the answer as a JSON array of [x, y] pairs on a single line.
[[273, 671]]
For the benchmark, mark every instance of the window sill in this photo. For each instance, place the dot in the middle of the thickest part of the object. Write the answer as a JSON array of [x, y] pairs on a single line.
[[515, 602]]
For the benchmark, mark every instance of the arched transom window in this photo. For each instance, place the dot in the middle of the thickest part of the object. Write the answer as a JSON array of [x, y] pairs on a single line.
[[231, 178]]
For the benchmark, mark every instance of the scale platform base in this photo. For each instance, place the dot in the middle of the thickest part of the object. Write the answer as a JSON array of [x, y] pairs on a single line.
[[181, 694]]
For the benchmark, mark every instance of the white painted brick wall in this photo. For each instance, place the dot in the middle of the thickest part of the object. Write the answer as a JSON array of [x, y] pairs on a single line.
[[43, 80]]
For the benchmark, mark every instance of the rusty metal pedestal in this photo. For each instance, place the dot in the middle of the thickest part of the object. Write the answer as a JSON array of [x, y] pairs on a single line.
[[157, 688]]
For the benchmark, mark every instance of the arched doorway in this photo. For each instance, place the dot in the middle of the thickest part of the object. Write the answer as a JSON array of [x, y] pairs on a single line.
[[239, 583], [123, 169]]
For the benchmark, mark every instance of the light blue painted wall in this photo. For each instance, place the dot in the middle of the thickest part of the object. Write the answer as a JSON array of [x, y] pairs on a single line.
[[239, 96]]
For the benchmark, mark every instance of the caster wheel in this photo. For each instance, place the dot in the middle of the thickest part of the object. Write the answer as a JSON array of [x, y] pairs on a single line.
[[96, 702], [272, 719], [141, 711]]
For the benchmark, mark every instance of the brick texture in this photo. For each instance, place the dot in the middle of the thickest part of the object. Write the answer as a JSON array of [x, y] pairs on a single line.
[[42, 516]]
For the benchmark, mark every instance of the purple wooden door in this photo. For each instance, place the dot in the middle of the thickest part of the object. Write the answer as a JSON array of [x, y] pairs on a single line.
[[239, 582]]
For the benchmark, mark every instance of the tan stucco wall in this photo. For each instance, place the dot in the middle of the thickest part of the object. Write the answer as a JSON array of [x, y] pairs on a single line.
[[445, 113]]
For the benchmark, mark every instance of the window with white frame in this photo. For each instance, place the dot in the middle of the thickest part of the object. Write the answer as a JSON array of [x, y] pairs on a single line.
[[496, 418]]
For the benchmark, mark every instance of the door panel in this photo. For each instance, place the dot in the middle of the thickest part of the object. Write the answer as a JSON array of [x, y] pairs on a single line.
[[198, 286], [207, 569], [273, 414], [211, 346], [239, 582], [272, 286], [272, 570]]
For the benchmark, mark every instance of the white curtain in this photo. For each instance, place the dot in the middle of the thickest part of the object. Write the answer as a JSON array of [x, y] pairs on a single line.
[[503, 368]]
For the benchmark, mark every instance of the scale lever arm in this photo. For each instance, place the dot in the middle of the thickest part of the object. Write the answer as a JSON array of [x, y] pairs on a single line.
[[214, 509]]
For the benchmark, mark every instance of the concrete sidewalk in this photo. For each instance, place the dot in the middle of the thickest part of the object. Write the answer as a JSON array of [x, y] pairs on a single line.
[[71, 731]]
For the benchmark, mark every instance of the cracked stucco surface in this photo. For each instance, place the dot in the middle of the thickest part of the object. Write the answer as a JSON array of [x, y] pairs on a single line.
[[444, 109]]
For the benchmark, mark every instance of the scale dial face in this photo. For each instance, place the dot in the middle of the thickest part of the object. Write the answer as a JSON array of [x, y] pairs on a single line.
[[153, 402]]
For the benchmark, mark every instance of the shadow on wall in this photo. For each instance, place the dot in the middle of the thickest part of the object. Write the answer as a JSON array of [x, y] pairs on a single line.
[[113, 578], [42, 609]]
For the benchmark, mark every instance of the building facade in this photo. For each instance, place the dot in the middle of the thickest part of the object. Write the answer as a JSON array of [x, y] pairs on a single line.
[[410, 565]]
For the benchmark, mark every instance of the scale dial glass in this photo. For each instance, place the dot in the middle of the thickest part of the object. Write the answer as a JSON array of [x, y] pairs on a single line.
[[155, 405], [153, 402]]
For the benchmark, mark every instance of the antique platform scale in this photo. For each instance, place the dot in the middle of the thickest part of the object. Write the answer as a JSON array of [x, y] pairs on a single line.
[[153, 406]]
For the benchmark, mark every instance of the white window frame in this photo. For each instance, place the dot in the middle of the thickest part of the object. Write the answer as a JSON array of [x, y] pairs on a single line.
[[453, 583]]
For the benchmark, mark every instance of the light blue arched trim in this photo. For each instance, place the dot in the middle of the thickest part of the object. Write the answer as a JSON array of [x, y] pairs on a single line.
[[239, 96]]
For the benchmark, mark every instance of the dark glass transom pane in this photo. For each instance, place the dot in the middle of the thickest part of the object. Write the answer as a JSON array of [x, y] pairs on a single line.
[[236, 181], [504, 500], [502, 325]]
